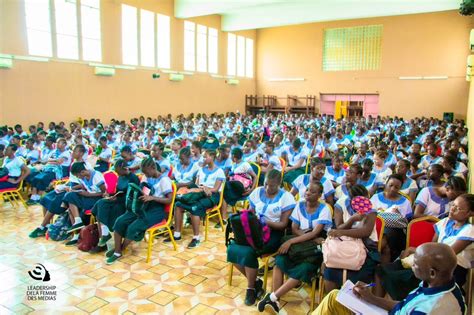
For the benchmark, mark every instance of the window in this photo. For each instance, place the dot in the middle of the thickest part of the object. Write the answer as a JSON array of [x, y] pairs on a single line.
[[201, 48], [239, 56], [38, 27], [249, 58], [163, 41], [189, 46], [213, 50], [352, 48], [129, 35], [231, 54], [147, 38], [90, 27], [67, 42]]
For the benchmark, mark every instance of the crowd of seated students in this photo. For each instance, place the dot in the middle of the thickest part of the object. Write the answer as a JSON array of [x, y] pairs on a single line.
[[311, 169]]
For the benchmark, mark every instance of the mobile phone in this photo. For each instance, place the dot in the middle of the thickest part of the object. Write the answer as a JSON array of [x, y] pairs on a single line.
[[146, 191]]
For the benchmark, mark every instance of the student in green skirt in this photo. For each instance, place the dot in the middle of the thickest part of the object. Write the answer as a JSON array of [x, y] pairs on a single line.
[[109, 208], [274, 205], [311, 219], [350, 223], [295, 158], [131, 227], [234, 190]]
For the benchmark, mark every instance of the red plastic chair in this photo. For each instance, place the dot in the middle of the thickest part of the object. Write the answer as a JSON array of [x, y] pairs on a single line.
[[380, 227], [111, 181], [420, 231]]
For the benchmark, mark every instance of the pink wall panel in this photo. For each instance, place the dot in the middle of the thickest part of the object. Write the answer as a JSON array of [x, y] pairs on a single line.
[[357, 98], [344, 98], [328, 97], [327, 107]]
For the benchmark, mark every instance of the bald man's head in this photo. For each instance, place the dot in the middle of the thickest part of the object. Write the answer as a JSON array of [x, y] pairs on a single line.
[[434, 263]]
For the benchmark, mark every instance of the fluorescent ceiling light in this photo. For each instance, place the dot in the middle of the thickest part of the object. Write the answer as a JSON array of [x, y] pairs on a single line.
[[186, 72], [439, 77], [285, 79], [411, 78]]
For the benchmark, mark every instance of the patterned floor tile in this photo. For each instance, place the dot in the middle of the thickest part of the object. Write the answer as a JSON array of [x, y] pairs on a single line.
[[174, 282], [163, 298], [92, 304]]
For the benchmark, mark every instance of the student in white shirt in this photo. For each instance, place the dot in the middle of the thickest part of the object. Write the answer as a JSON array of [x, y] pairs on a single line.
[[210, 180], [273, 205], [16, 167], [131, 226], [92, 190], [311, 219]]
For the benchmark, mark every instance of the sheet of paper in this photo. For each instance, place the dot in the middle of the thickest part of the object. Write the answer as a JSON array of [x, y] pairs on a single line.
[[347, 298]]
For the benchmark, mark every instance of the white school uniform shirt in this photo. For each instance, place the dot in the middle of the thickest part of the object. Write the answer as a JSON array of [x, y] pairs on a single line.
[[305, 220], [75, 179], [341, 191], [301, 184], [333, 175], [208, 178], [445, 300], [93, 184], [13, 166], [295, 156], [186, 174], [409, 186], [428, 160], [106, 153], [46, 154], [241, 168], [381, 204], [135, 162], [382, 175], [280, 149], [33, 155], [434, 204], [344, 205], [250, 157], [164, 164], [161, 185], [224, 165], [273, 160], [65, 155], [447, 234], [369, 183], [271, 209]]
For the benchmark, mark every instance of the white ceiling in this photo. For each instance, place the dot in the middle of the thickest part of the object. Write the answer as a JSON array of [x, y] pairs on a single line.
[[252, 14]]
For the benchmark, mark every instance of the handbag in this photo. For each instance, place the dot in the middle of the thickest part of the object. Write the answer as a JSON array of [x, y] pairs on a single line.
[[394, 220], [304, 252], [344, 253], [243, 179]]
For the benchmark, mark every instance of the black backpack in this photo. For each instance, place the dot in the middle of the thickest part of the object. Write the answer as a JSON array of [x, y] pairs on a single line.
[[132, 200], [247, 230]]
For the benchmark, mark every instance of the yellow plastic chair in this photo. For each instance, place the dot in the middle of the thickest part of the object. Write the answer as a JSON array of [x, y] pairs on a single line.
[[13, 196], [214, 212], [163, 227]]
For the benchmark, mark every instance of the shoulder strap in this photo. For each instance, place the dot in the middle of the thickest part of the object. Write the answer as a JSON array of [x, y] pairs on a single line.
[[244, 217]]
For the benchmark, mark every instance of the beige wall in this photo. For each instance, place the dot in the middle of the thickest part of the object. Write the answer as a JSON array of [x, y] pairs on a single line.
[[33, 91], [412, 45]]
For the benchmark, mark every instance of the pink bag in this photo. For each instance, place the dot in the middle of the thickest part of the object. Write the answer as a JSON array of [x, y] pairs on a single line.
[[242, 178], [344, 253]]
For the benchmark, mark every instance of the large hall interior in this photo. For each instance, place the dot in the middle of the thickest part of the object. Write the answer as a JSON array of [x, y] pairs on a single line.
[[236, 157]]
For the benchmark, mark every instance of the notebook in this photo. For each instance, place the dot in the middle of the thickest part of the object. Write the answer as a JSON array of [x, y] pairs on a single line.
[[347, 298]]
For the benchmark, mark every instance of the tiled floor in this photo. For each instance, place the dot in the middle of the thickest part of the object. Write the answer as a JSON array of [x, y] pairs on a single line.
[[174, 282]]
